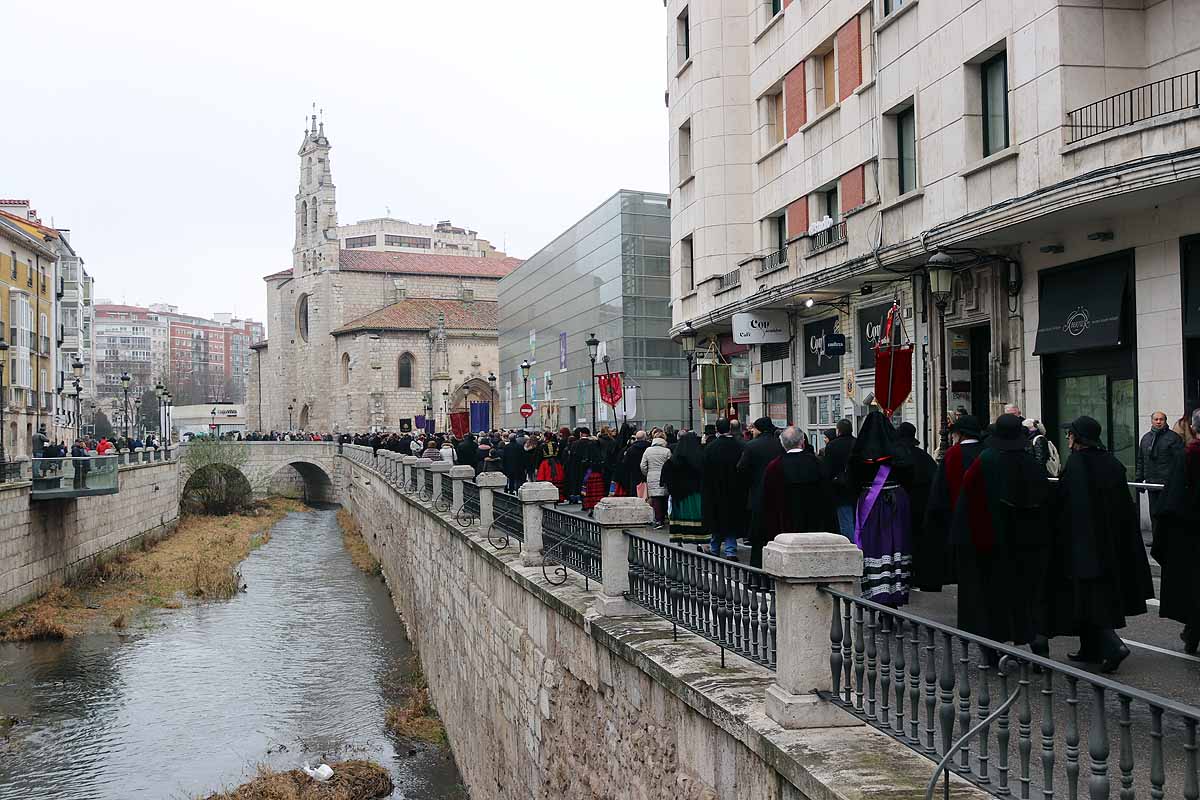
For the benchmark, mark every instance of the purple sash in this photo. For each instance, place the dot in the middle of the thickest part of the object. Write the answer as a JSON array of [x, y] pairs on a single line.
[[868, 502]]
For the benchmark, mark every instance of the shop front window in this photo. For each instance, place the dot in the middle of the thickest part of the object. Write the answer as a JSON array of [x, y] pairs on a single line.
[[778, 401]]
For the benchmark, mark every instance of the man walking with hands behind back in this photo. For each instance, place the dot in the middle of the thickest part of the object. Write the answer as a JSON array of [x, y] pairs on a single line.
[[1155, 456]]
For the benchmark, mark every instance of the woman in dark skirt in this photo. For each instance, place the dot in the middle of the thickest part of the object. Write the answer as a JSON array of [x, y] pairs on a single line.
[[1177, 547], [683, 475], [882, 516]]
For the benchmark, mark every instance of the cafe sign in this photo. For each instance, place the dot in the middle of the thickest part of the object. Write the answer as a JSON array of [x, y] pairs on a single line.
[[761, 327], [819, 357]]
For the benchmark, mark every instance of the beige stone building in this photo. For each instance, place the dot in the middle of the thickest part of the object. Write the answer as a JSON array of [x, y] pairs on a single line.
[[370, 337], [822, 152]]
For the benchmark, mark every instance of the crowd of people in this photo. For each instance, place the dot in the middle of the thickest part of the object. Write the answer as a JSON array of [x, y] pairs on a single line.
[[1038, 543]]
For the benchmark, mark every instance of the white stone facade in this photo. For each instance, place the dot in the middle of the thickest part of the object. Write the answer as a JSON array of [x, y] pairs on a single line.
[[386, 234], [897, 149]]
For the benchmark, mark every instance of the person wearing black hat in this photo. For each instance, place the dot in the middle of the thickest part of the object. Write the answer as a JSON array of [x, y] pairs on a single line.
[[1099, 551], [752, 465], [923, 470], [834, 462], [933, 562], [1001, 540], [882, 516]]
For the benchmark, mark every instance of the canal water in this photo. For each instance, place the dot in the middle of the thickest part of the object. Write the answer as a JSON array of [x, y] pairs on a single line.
[[304, 664]]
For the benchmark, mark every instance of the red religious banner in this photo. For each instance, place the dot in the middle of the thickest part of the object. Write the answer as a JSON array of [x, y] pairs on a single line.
[[460, 423], [611, 389], [893, 367]]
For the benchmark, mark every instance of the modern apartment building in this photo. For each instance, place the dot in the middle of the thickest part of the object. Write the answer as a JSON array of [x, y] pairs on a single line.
[[76, 318], [206, 360], [606, 275], [824, 151], [125, 339], [385, 234]]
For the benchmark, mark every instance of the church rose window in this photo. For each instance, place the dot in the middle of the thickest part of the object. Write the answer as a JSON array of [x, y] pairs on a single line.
[[302, 317]]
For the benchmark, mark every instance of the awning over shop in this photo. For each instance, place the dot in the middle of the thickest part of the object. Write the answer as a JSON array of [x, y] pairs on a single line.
[[1080, 307]]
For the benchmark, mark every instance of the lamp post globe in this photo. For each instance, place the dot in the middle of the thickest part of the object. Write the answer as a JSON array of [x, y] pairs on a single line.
[[491, 405], [593, 346], [687, 342], [125, 381], [939, 276]]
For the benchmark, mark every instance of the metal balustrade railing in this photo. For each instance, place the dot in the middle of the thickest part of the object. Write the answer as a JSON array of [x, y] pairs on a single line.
[[508, 520], [834, 234], [468, 513], [446, 500], [928, 685], [570, 542], [773, 261], [1175, 93], [426, 494], [731, 605]]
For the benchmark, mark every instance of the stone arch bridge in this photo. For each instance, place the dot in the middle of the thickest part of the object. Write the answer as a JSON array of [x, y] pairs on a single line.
[[305, 470]]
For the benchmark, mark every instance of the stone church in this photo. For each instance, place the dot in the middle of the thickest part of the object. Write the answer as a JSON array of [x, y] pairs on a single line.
[[370, 339]]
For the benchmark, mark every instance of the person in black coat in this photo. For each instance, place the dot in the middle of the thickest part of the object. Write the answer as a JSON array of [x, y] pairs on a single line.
[[723, 492], [1153, 460], [1177, 545], [512, 462], [834, 461], [629, 473], [923, 470], [1099, 574], [752, 465], [467, 452], [1001, 535], [933, 555], [796, 497]]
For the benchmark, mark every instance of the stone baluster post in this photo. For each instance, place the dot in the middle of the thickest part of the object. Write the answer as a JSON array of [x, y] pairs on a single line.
[[441, 472], [489, 483], [419, 467], [532, 495], [615, 516], [458, 474], [409, 465], [800, 562]]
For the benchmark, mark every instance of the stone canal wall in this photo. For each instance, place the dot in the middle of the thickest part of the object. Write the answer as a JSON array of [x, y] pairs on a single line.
[[542, 698], [45, 543]]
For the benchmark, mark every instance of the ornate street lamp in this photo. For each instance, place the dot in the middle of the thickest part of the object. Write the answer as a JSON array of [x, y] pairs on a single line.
[[593, 346], [939, 275], [159, 391], [687, 341], [525, 367], [125, 381], [290, 409], [492, 404], [446, 410], [137, 414], [76, 391]]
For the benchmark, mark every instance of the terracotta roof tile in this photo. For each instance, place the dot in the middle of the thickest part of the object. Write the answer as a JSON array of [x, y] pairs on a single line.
[[426, 264], [283, 273], [417, 314]]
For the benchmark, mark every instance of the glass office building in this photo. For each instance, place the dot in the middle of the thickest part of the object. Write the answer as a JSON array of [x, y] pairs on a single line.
[[608, 274]]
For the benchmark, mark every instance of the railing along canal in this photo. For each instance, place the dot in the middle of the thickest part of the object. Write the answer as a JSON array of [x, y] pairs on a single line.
[[507, 520], [446, 500], [427, 487], [727, 603], [928, 685], [468, 514], [570, 542]]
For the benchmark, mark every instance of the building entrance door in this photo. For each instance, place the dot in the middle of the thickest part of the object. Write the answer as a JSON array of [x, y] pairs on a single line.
[[981, 355]]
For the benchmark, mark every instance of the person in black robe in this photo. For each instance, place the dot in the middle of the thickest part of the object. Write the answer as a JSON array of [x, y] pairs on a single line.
[[629, 474], [796, 496], [683, 477], [585, 471], [1177, 545], [1001, 536], [512, 462], [723, 493], [1099, 573], [923, 469], [933, 556], [756, 455], [466, 453]]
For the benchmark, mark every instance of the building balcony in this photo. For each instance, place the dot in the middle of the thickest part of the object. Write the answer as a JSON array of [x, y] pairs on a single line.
[[730, 280], [832, 236], [1177, 93], [772, 261], [62, 478]]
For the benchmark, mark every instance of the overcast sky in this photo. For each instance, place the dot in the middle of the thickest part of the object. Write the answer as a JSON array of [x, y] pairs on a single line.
[[165, 135]]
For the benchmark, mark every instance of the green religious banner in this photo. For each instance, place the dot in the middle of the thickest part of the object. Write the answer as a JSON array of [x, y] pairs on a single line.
[[714, 387]]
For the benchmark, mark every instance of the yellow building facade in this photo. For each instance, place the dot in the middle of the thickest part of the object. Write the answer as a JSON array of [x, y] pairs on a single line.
[[29, 383]]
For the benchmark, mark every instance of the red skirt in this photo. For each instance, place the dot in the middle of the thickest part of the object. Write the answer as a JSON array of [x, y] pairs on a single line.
[[552, 471], [594, 490]]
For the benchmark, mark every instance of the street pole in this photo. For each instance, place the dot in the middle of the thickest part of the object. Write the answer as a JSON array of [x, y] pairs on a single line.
[[691, 407], [940, 280], [3, 403], [492, 404]]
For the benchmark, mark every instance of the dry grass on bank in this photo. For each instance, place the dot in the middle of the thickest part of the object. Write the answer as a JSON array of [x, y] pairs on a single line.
[[352, 780], [415, 717], [356, 545], [199, 560]]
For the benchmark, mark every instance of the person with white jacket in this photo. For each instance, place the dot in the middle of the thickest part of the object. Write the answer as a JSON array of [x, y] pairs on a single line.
[[653, 459]]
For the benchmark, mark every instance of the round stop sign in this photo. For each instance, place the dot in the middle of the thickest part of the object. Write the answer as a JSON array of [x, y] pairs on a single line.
[[526, 411]]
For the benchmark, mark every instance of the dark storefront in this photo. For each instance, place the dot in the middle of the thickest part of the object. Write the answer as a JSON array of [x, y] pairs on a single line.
[[1086, 340], [1190, 258]]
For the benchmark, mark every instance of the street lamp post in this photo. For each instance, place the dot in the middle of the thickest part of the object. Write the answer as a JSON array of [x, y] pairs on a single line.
[[77, 371], [159, 391], [939, 272], [687, 340], [214, 428], [492, 404], [525, 367], [593, 346], [290, 408], [137, 416], [170, 400], [446, 410], [3, 403], [125, 380]]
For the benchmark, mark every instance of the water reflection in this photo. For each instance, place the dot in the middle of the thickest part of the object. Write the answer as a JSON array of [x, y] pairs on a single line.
[[302, 665]]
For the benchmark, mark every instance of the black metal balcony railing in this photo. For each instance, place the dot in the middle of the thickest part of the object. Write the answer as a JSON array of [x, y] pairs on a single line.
[[427, 489], [507, 520], [773, 261], [952, 696], [834, 234], [727, 603], [446, 501], [570, 542], [468, 513], [1134, 105], [729, 280]]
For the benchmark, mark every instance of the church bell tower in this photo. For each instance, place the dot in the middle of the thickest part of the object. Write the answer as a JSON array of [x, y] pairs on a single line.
[[316, 245]]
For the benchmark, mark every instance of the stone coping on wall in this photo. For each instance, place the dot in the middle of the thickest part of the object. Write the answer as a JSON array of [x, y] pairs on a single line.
[[845, 763]]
